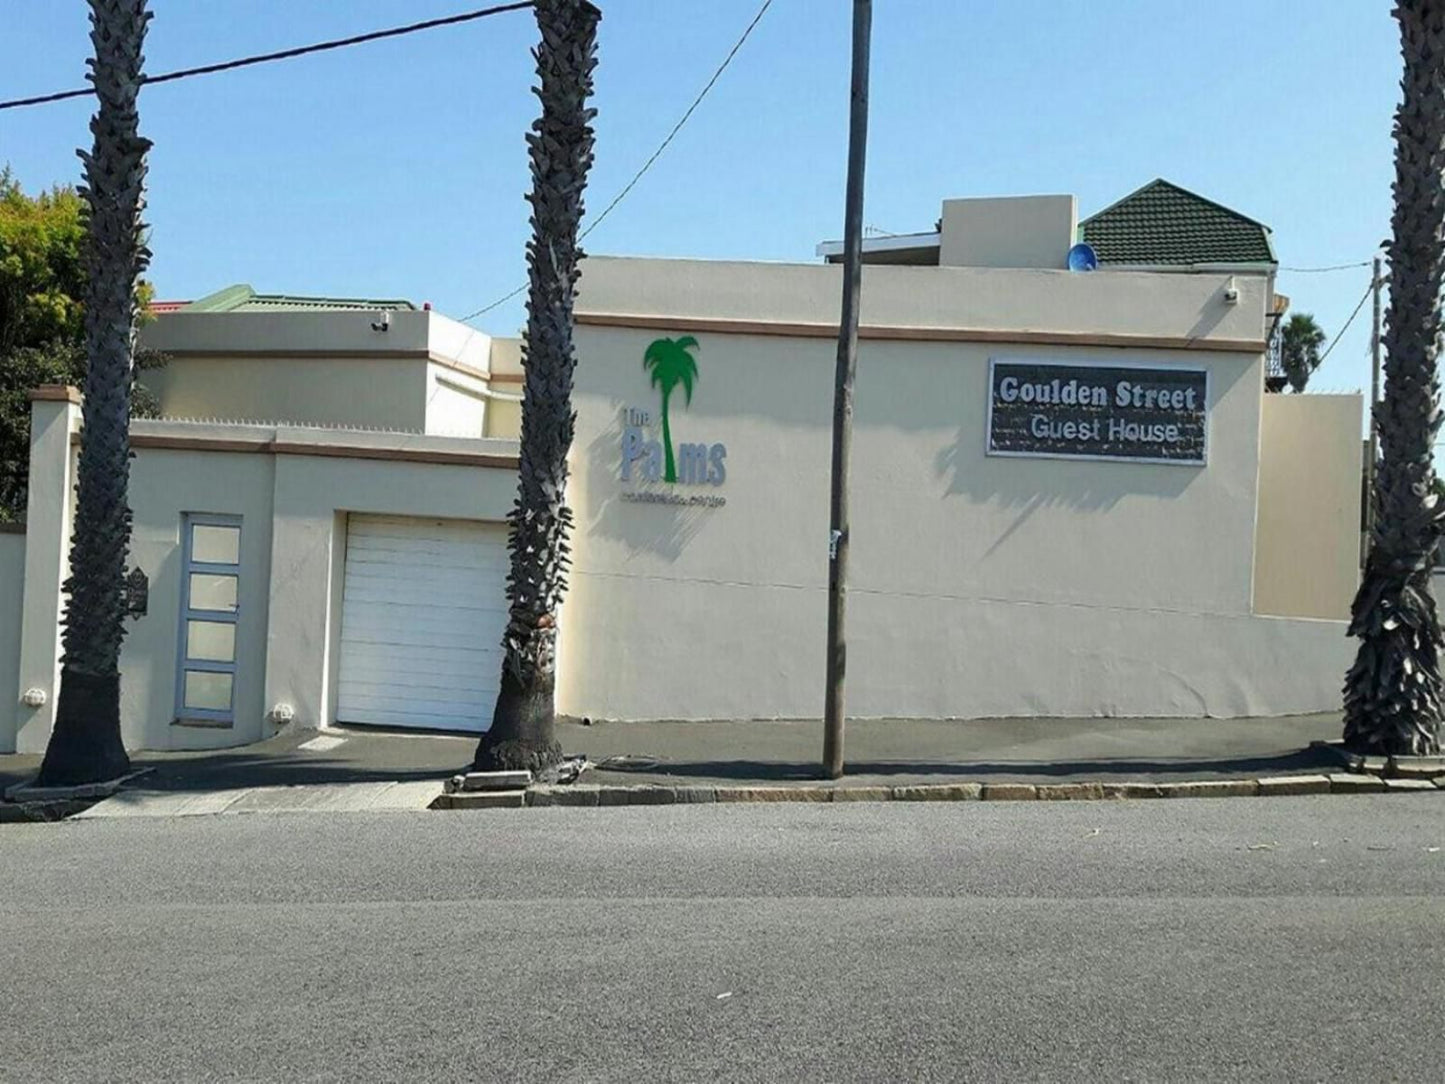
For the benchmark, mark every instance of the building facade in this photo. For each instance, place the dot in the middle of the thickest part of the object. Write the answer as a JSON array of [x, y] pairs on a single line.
[[1071, 496]]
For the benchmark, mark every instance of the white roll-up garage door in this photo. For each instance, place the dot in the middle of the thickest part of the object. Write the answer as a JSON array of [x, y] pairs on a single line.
[[422, 615]]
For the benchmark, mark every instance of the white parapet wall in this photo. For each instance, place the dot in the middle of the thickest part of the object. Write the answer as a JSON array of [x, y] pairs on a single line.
[[54, 421], [322, 368], [12, 580], [779, 299]]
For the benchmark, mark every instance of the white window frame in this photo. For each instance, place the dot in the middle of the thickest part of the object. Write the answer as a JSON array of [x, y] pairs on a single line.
[[208, 716]]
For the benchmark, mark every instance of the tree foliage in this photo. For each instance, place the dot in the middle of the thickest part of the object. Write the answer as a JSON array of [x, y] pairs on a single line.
[[41, 273], [42, 314], [1301, 345]]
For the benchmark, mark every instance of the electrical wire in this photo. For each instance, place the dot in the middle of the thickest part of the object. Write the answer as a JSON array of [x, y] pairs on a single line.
[[284, 54], [1368, 291], [1332, 267], [628, 187]]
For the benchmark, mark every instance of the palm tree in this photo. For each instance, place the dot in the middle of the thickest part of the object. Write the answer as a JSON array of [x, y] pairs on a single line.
[[85, 746], [523, 731], [1300, 348], [670, 364], [1392, 693]]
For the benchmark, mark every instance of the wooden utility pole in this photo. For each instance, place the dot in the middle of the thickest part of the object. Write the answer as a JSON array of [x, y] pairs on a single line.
[[843, 395], [1374, 426]]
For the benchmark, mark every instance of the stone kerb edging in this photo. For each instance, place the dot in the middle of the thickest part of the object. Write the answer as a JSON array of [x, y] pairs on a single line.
[[605, 794], [1388, 767]]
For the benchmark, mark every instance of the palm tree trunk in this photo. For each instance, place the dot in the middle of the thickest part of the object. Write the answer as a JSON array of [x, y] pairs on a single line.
[[523, 732], [1392, 694], [669, 473], [86, 745]]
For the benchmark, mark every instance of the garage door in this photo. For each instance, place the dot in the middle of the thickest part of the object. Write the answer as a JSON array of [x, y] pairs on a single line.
[[422, 615]]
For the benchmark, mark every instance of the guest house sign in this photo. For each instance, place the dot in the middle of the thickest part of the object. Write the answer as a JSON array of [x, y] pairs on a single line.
[[1077, 411]]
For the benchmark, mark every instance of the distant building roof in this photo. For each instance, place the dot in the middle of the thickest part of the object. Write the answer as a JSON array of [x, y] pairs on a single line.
[[242, 298], [159, 307], [1162, 223]]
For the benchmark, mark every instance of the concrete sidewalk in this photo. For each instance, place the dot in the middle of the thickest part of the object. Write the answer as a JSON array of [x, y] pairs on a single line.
[[902, 751], [355, 769], [306, 757], [289, 798], [302, 772]]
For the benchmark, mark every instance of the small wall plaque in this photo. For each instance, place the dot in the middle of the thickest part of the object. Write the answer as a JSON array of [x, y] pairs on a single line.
[[137, 593]]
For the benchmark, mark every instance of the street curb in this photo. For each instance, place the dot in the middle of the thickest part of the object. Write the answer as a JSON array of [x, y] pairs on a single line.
[[1393, 767], [594, 795], [28, 792], [43, 812]]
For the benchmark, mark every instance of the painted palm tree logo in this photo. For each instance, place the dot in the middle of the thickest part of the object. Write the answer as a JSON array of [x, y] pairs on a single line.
[[670, 364]]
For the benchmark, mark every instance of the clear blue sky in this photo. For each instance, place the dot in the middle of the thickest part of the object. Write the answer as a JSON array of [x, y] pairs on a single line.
[[397, 169]]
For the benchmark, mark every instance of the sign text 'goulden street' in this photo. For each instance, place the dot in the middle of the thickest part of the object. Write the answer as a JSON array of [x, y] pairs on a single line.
[[1098, 412]]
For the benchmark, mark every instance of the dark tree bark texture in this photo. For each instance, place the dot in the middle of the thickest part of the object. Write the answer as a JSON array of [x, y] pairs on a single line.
[[85, 746], [523, 731], [1392, 693]]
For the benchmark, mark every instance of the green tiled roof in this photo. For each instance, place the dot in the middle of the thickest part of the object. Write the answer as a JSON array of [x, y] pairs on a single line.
[[1162, 223], [243, 298]]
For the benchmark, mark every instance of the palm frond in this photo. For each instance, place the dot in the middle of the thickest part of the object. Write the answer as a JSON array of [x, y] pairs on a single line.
[[686, 374]]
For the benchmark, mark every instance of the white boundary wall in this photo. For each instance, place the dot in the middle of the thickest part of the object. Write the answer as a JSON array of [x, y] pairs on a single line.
[[293, 489], [12, 580]]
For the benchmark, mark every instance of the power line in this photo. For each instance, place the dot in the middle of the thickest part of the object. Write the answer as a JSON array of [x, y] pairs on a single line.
[[628, 187], [494, 304], [284, 54], [1332, 267], [1368, 290], [678, 126]]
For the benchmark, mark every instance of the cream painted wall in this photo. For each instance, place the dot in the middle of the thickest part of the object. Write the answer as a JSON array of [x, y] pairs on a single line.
[[293, 509], [47, 557], [1308, 536], [987, 299], [308, 333], [376, 393], [455, 340], [12, 579], [313, 494], [964, 567], [504, 418], [979, 585], [318, 368], [456, 403], [164, 486], [1008, 231], [506, 357]]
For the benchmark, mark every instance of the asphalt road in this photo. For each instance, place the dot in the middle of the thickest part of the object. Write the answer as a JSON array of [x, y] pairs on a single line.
[[1248, 939]]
